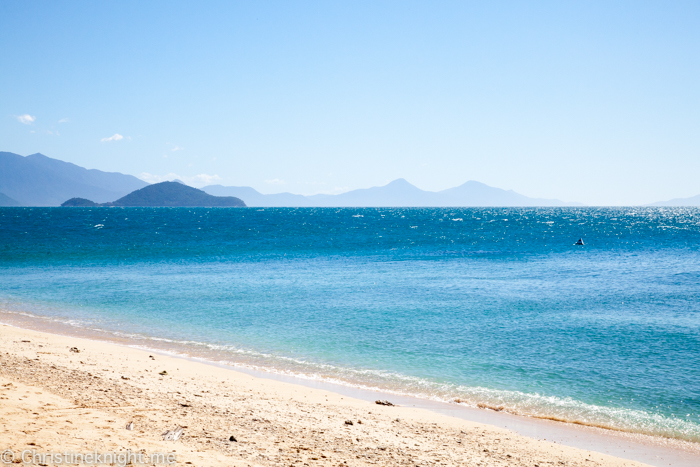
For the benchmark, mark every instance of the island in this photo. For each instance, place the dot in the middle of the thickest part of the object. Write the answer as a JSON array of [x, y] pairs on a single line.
[[164, 194]]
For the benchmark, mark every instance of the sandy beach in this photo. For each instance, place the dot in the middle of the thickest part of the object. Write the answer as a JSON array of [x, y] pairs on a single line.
[[70, 394]]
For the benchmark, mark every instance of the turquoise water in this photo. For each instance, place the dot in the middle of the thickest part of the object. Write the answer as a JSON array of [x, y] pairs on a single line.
[[485, 306]]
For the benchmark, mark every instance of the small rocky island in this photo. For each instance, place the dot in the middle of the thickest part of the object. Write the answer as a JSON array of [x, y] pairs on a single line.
[[164, 194]]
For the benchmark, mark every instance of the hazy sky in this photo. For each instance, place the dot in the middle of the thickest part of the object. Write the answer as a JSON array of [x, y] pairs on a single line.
[[596, 102]]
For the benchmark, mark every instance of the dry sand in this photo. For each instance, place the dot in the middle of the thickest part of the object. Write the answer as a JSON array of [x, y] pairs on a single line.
[[54, 399]]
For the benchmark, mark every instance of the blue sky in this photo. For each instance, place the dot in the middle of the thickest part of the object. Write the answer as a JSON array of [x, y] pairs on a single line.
[[596, 102]]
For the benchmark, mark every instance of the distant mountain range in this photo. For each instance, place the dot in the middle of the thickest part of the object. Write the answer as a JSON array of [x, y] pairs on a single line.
[[38, 180], [164, 194], [398, 193], [692, 201]]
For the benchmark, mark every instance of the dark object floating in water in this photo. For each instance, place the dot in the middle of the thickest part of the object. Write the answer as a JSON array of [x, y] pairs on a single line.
[[580, 242], [380, 402]]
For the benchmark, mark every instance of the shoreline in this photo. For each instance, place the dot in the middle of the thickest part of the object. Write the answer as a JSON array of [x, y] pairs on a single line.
[[253, 361], [651, 450]]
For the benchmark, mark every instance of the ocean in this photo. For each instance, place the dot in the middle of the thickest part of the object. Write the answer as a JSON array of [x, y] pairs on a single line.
[[489, 307]]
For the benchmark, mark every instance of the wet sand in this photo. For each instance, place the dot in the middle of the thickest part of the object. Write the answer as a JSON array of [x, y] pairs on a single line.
[[62, 393]]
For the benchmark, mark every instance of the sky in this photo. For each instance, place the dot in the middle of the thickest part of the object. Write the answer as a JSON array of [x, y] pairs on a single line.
[[595, 102]]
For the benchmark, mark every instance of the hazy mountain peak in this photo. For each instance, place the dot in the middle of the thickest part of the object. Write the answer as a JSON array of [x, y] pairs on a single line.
[[38, 155], [38, 180], [400, 182]]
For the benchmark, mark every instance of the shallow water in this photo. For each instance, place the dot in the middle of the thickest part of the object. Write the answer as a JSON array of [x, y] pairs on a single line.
[[488, 306]]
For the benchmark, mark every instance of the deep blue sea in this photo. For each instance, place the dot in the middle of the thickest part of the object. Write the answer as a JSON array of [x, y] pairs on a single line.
[[491, 306]]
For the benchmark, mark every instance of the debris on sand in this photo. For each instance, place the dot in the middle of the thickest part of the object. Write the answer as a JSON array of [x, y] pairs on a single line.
[[172, 435]]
